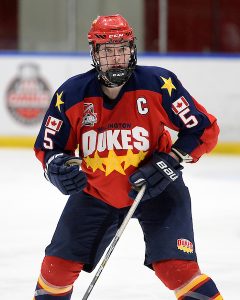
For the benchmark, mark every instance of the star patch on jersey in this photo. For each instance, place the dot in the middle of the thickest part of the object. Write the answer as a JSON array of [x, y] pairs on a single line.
[[53, 123], [185, 245], [59, 101], [168, 85], [113, 162]]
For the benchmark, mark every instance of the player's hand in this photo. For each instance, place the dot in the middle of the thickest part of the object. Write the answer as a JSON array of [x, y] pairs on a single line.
[[65, 173], [157, 174]]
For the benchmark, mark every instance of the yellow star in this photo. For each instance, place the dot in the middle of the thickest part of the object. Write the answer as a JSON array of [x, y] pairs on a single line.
[[88, 161], [95, 162], [59, 101], [132, 159], [113, 162], [168, 85]]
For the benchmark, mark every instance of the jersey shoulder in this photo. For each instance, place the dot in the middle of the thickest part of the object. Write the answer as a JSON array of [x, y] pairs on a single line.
[[159, 80], [153, 70], [79, 79], [150, 72], [153, 77], [77, 88]]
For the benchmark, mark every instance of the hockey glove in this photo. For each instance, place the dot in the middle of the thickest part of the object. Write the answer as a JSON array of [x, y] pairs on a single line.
[[64, 172], [158, 173]]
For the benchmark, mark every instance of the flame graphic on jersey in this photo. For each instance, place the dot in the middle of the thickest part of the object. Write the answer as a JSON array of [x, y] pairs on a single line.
[[113, 162]]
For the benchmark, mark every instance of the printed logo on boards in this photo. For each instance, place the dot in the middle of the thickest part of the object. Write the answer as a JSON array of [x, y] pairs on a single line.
[[185, 245], [89, 116], [28, 95]]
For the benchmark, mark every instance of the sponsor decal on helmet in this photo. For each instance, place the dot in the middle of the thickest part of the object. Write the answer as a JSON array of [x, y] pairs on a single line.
[[28, 95], [185, 245], [117, 35]]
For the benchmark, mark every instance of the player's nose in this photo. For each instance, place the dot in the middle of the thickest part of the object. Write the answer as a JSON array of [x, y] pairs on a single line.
[[117, 57]]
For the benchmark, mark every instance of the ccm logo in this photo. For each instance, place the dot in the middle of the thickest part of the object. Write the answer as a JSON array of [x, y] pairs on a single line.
[[168, 171], [115, 35]]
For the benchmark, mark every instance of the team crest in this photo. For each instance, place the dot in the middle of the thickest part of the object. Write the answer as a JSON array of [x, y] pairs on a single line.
[[89, 116]]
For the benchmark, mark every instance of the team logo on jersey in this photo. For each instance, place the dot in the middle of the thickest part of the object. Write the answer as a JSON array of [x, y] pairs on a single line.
[[89, 116], [53, 123], [168, 85], [185, 245], [179, 105], [104, 151]]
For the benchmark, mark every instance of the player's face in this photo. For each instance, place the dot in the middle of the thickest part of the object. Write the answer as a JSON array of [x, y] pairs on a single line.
[[113, 56]]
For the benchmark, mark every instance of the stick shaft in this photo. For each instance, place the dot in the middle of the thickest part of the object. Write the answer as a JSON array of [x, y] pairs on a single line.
[[115, 240]]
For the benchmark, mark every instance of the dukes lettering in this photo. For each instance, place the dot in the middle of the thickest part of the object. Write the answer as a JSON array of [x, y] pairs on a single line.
[[137, 138]]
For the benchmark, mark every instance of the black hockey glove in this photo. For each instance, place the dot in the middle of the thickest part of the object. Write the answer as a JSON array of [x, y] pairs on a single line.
[[64, 172], [158, 173]]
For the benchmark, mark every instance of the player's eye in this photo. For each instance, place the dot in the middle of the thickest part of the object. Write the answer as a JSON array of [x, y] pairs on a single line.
[[109, 50]]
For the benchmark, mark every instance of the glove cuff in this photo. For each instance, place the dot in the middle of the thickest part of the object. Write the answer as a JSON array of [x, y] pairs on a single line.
[[50, 159], [183, 156]]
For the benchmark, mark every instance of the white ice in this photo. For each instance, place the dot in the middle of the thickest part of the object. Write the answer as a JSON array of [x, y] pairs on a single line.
[[30, 208]]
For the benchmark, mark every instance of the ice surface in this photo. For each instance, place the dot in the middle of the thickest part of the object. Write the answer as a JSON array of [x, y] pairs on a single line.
[[30, 208]]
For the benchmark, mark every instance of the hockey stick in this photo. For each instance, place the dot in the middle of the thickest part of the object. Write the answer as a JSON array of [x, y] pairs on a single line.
[[115, 240]]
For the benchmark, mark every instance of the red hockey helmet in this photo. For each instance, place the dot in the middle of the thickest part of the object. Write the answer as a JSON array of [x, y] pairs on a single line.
[[109, 30]]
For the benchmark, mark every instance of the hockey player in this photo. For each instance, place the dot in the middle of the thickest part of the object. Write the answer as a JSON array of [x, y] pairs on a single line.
[[115, 115]]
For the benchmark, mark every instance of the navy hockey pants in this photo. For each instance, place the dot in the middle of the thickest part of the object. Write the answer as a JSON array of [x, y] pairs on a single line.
[[87, 226]]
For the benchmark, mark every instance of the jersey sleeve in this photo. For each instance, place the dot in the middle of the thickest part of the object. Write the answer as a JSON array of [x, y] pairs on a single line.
[[197, 129], [56, 134]]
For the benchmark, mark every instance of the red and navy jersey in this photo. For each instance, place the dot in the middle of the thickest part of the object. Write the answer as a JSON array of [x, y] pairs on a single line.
[[114, 137]]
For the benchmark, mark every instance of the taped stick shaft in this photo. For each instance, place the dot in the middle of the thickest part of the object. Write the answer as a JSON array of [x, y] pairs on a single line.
[[115, 240]]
